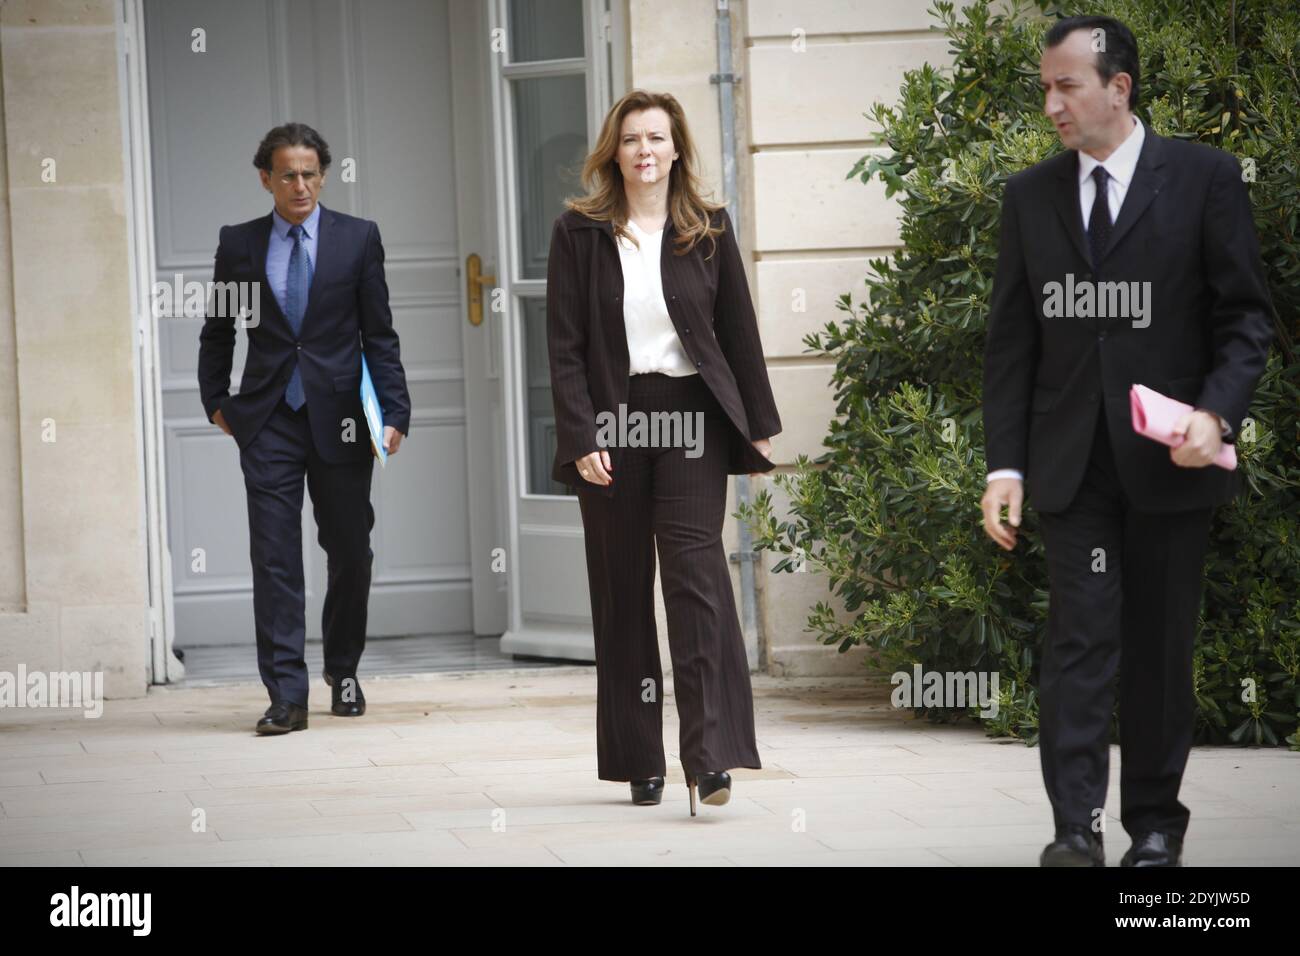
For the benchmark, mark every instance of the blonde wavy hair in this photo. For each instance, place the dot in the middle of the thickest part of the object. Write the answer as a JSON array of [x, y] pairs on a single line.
[[606, 200]]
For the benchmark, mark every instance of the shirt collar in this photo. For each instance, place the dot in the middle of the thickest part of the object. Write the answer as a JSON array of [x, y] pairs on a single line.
[[1122, 163], [282, 225]]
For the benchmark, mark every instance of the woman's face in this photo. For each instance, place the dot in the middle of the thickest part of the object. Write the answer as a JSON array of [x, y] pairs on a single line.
[[645, 146]]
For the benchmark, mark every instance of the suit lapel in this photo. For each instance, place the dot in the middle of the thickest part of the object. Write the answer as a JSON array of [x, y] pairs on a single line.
[[1147, 182], [262, 242], [613, 316], [1145, 185], [324, 257], [1066, 201]]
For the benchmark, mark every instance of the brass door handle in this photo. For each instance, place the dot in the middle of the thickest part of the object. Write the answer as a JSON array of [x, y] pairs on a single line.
[[475, 281]]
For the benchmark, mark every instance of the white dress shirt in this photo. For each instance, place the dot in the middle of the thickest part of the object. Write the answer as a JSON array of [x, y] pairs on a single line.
[[652, 342], [1120, 166]]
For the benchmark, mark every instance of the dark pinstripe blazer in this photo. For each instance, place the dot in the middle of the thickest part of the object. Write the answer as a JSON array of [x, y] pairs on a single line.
[[709, 303]]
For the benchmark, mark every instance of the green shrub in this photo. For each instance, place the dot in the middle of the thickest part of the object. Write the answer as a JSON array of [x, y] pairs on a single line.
[[890, 513]]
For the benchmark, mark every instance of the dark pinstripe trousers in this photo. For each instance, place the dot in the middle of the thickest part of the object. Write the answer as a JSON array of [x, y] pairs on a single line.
[[662, 497]]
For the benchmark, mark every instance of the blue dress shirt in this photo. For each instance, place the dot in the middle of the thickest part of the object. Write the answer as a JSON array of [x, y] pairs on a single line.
[[280, 247]]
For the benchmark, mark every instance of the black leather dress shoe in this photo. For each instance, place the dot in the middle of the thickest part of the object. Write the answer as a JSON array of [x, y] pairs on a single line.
[[282, 718], [1075, 845], [648, 792], [350, 688], [1154, 849]]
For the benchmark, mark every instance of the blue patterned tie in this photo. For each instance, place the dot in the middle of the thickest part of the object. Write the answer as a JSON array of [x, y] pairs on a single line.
[[295, 305]]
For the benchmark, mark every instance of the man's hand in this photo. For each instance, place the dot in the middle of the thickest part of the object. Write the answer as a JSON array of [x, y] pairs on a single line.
[[1202, 440], [764, 446], [392, 439], [220, 421], [1011, 493]]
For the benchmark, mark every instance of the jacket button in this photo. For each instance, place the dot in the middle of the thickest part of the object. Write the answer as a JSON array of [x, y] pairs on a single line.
[[688, 331], [698, 364], [1101, 336], [674, 298], [300, 348]]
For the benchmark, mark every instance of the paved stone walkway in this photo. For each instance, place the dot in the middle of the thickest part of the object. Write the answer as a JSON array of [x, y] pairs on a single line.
[[500, 768]]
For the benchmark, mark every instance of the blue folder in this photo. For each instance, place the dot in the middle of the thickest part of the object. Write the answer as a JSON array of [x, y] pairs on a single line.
[[374, 415]]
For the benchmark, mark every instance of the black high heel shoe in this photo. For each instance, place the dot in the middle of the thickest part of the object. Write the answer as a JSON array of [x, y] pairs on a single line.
[[714, 788], [649, 792]]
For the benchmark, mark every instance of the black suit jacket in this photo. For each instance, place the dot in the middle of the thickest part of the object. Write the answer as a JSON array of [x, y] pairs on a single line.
[[347, 309], [1186, 227], [710, 306]]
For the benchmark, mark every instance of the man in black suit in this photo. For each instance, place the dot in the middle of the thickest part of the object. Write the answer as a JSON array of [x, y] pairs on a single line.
[[318, 279], [1161, 230]]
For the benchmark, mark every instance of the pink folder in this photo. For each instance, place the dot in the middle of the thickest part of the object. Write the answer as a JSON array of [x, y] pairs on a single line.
[[1154, 417]]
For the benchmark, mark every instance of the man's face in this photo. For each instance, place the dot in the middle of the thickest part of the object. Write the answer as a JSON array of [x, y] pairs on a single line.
[[295, 181], [1087, 115]]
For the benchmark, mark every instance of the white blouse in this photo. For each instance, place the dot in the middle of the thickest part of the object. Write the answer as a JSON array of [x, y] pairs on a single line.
[[652, 342]]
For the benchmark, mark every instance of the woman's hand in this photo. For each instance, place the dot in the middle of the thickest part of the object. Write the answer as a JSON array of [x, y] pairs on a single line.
[[764, 446], [596, 468]]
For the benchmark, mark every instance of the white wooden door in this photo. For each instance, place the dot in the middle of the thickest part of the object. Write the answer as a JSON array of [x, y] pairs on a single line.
[[386, 82]]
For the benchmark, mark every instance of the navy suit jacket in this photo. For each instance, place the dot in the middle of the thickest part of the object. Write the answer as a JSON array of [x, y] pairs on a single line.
[[347, 310]]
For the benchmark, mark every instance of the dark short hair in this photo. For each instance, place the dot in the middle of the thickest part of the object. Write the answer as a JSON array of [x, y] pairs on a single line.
[[1120, 55], [291, 134]]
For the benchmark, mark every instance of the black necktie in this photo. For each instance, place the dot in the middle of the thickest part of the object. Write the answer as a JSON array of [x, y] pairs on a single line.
[[1099, 219]]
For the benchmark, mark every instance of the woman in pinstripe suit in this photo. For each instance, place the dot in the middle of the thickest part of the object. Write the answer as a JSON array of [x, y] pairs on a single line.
[[649, 319]]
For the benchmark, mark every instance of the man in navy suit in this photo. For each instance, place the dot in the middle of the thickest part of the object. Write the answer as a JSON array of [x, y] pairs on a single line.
[[318, 279]]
